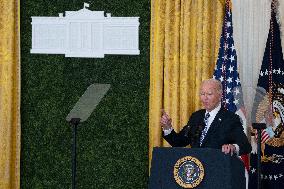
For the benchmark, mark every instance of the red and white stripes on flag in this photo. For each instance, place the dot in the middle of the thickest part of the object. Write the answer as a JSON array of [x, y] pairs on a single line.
[[264, 136]]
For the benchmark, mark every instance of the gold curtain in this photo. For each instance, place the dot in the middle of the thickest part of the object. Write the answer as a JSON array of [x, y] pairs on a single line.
[[9, 94], [183, 51]]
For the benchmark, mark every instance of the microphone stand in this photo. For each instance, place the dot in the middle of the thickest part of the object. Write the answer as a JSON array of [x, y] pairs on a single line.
[[259, 127]]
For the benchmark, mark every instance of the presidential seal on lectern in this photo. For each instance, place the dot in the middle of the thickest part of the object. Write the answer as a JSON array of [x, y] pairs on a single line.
[[188, 172]]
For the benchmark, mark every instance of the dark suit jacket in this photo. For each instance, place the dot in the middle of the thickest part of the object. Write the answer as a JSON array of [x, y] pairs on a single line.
[[226, 128]]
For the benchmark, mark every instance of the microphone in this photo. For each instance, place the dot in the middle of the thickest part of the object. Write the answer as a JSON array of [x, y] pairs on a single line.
[[200, 128], [186, 131], [198, 131]]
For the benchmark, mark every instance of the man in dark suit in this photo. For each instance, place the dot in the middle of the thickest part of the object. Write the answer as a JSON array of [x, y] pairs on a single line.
[[212, 127]]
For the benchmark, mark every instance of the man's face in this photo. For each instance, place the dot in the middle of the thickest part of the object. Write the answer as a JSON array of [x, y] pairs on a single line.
[[209, 95]]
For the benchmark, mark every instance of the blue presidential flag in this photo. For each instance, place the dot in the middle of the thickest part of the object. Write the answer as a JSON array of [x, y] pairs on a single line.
[[269, 108]]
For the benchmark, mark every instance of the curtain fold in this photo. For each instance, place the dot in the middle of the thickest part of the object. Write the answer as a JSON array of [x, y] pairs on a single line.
[[9, 94], [183, 51]]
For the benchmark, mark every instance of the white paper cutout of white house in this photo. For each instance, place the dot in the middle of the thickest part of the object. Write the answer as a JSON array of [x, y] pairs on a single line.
[[85, 33]]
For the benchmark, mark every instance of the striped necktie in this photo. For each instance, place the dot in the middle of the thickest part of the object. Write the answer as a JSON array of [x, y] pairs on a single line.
[[204, 131]]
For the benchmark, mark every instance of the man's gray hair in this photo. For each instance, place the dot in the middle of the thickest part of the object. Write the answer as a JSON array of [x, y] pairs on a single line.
[[216, 82]]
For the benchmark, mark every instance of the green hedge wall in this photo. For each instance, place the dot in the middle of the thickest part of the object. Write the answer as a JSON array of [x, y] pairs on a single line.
[[113, 142]]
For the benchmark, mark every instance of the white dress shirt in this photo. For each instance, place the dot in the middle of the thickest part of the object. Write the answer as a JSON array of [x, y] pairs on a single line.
[[213, 114]]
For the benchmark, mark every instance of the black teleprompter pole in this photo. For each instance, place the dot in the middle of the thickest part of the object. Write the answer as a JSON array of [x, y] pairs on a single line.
[[74, 123], [81, 112]]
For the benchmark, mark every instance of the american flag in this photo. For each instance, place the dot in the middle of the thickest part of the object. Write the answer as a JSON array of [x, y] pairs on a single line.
[[264, 136], [226, 70]]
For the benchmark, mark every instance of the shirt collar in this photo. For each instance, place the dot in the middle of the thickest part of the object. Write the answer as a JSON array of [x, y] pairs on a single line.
[[214, 112]]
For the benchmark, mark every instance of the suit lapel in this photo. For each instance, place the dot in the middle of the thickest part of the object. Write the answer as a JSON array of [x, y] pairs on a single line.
[[198, 127], [215, 124]]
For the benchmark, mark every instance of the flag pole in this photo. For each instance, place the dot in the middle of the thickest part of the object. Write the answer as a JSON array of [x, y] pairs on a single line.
[[259, 127]]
